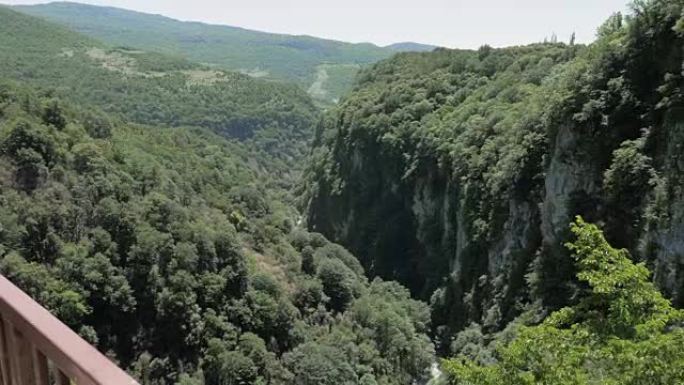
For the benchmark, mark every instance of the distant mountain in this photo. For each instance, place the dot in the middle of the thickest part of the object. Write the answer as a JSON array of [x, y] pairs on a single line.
[[154, 88], [408, 46], [326, 68]]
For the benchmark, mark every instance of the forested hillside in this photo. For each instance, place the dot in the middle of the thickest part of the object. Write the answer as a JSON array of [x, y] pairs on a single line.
[[165, 249], [151, 88], [517, 211], [304, 60], [175, 250], [458, 172]]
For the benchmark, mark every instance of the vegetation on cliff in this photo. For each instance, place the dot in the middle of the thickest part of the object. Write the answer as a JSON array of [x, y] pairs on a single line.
[[148, 202], [456, 172], [622, 330]]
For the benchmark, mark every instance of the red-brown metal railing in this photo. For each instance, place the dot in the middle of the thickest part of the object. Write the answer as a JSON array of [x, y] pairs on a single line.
[[37, 349]]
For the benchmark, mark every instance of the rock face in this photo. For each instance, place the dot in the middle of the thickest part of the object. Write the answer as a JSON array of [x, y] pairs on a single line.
[[662, 241], [459, 172]]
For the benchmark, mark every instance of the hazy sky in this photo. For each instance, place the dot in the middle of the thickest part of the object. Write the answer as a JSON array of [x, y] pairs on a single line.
[[450, 23]]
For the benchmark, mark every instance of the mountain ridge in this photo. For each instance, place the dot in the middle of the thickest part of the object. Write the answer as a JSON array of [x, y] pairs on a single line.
[[273, 56], [155, 89], [407, 46]]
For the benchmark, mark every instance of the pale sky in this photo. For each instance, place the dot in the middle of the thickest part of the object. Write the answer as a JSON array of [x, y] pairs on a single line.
[[449, 23]]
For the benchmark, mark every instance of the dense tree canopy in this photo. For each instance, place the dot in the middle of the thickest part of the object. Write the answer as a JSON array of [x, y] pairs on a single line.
[[150, 88], [149, 203], [325, 67], [621, 332], [455, 172], [173, 252]]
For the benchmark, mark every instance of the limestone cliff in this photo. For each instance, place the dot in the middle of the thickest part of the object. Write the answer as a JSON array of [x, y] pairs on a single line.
[[458, 172]]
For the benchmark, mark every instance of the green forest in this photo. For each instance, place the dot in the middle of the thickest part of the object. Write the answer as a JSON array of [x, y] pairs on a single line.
[[473, 217], [298, 59], [150, 88], [458, 172]]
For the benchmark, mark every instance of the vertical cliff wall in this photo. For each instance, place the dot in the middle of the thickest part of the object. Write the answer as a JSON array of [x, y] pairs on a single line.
[[458, 172]]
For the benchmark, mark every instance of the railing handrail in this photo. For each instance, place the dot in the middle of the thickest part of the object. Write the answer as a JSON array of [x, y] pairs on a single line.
[[75, 357]]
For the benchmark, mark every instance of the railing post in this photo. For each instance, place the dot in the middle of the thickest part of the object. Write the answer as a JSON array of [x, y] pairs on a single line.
[[40, 367], [20, 355], [5, 377], [12, 353], [20, 362], [60, 377]]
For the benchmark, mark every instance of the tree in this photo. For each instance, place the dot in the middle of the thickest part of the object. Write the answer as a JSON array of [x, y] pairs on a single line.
[[26, 135], [611, 26], [338, 283], [87, 157], [621, 332], [237, 369], [31, 171], [227, 367], [98, 125], [308, 261], [315, 364], [53, 114], [309, 295]]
